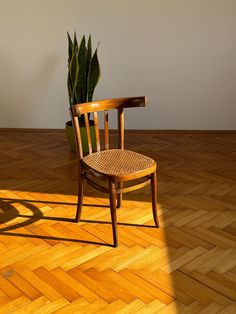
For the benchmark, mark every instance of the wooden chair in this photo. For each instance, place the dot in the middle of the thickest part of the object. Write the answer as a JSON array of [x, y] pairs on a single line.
[[112, 166]]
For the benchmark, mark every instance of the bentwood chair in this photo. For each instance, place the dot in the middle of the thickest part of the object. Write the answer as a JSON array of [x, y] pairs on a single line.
[[108, 169]]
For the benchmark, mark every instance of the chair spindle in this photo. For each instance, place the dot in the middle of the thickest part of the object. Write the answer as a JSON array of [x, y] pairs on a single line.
[[88, 133], [95, 116], [78, 137], [106, 129], [121, 125]]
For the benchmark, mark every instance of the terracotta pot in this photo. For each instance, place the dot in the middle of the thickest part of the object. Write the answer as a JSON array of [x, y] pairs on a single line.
[[71, 137]]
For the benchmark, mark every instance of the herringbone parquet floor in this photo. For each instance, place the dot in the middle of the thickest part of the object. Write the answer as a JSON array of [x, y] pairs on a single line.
[[50, 264]]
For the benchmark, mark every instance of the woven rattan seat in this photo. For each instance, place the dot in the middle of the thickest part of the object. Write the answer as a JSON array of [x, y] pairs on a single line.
[[113, 171], [118, 162]]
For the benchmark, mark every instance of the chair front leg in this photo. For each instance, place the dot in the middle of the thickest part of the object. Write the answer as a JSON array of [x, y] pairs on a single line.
[[154, 197], [112, 198], [119, 196], [80, 198]]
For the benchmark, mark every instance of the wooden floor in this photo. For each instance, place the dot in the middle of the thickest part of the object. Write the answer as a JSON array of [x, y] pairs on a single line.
[[50, 264]]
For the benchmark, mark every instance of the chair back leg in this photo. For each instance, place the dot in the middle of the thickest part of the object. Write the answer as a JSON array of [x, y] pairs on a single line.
[[80, 198], [119, 196], [112, 198], [154, 197]]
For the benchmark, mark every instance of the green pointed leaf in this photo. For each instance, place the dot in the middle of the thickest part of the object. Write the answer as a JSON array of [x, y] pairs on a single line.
[[88, 63], [94, 75], [75, 43], [69, 86], [70, 48], [81, 84], [73, 77], [89, 55]]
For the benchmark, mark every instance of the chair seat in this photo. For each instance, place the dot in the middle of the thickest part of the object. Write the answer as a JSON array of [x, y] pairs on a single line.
[[119, 162]]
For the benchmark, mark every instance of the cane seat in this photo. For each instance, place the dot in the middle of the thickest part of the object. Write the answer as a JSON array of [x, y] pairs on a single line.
[[119, 162]]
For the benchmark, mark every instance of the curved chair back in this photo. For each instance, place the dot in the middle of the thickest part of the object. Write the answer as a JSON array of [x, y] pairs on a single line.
[[102, 105]]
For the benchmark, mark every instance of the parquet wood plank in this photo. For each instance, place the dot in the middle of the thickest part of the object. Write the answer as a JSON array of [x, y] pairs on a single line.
[[218, 259], [77, 304], [200, 292], [148, 287], [93, 285], [61, 287], [33, 306], [4, 299], [201, 260], [133, 289], [20, 283], [182, 260], [99, 261], [163, 259], [133, 307], [210, 281], [47, 290], [229, 309], [9, 289], [173, 308], [212, 308], [84, 255], [35, 261], [76, 285], [113, 307], [98, 306], [118, 290], [193, 308], [15, 305], [164, 282], [52, 307]]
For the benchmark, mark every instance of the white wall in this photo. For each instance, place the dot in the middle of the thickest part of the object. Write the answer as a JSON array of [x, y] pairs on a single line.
[[179, 53]]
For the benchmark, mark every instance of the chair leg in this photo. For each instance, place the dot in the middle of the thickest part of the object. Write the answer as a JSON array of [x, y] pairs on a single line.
[[119, 196], [80, 198], [154, 197], [112, 197]]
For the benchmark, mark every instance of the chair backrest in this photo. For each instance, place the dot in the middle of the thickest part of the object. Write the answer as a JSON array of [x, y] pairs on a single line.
[[102, 105]]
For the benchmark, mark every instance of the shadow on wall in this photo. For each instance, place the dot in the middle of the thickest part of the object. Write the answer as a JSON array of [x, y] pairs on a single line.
[[23, 89]]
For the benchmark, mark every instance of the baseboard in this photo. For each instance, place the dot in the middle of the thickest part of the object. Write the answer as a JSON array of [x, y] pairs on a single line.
[[30, 130], [126, 130], [181, 131]]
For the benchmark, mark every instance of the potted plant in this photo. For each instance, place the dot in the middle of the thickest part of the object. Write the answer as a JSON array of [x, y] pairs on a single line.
[[83, 76]]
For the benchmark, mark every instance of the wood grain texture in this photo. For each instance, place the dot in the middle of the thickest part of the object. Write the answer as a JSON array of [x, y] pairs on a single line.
[[97, 135], [108, 104], [106, 130], [50, 264], [88, 133]]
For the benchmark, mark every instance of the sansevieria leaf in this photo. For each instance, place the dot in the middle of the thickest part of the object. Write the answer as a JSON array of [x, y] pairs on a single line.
[[94, 75], [69, 86], [81, 84], [75, 44], [73, 72], [88, 63], [70, 48]]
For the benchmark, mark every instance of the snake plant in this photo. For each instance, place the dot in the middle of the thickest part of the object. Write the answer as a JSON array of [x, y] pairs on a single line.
[[83, 71]]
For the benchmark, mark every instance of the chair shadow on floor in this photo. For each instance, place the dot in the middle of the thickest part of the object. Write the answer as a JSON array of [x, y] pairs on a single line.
[[9, 212]]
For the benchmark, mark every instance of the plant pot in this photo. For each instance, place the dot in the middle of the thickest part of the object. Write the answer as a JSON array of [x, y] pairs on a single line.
[[71, 137]]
